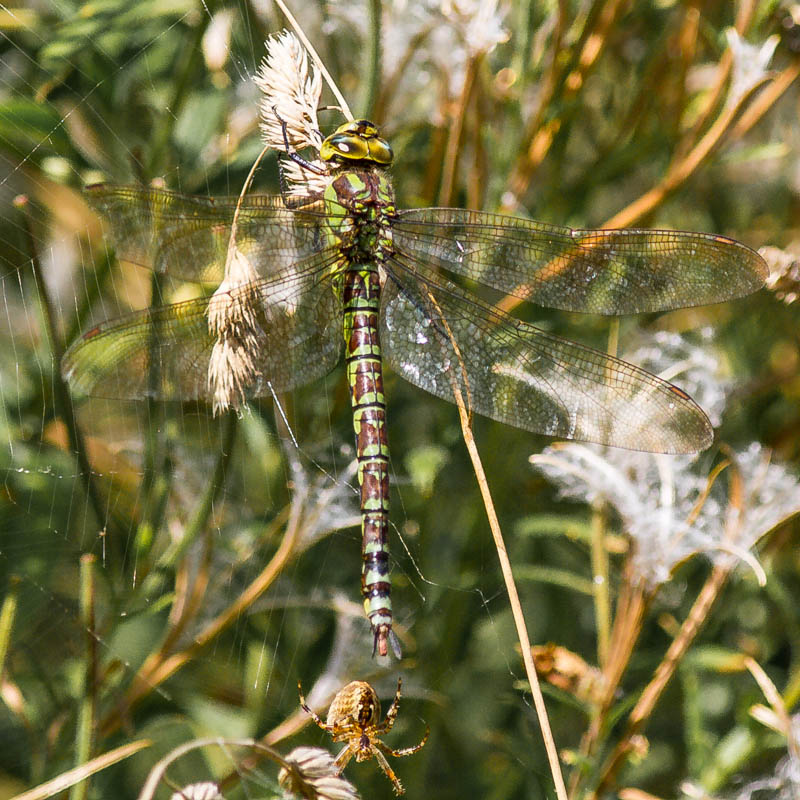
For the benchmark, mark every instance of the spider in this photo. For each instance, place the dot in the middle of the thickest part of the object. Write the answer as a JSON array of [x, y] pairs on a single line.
[[353, 717]]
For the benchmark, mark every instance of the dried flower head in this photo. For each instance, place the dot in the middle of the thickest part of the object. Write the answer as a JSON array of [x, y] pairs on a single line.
[[288, 108], [750, 64], [205, 790], [290, 94], [313, 773], [656, 496], [782, 783], [232, 320], [784, 272]]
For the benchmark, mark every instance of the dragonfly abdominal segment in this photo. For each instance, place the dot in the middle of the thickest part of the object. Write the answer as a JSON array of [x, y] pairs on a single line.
[[298, 284], [365, 376], [366, 243]]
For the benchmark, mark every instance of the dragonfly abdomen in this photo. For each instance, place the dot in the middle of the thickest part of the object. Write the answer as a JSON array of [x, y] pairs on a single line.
[[361, 298]]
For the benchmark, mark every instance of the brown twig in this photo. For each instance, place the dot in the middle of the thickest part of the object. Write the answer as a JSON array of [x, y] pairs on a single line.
[[65, 780], [315, 58], [541, 135], [455, 132], [743, 18], [631, 607], [680, 171], [766, 99]]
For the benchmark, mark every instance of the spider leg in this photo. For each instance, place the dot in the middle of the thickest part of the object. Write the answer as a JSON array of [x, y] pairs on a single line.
[[391, 714], [343, 759], [405, 751], [305, 708], [384, 765]]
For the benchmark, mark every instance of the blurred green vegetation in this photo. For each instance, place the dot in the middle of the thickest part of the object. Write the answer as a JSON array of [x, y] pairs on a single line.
[[566, 112]]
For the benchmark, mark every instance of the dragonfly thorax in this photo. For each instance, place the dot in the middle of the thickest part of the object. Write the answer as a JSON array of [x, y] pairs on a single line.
[[364, 233], [356, 142]]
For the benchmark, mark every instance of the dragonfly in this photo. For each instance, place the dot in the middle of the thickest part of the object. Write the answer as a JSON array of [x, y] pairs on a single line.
[[298, 284]]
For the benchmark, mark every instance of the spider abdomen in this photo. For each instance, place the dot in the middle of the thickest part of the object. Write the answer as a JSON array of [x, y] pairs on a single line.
[[355, 705]]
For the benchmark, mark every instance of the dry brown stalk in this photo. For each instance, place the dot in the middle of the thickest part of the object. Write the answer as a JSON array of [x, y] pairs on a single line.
[[744, 17], [664, 672], [766, 99], [677, 174], [631, 607], [455, 132], [541, 136], [691, 626], [65, 780], [465, 417]]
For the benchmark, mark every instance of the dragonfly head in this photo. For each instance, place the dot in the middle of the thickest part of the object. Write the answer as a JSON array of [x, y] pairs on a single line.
[[356, 142]]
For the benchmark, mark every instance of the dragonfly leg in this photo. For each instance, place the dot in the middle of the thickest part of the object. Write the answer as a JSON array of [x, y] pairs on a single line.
[[291, 152]]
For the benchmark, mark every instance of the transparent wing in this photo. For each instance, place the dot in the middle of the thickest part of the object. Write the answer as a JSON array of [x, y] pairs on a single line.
[[434, 334], [625, 271], [164, 352], [187, 237]]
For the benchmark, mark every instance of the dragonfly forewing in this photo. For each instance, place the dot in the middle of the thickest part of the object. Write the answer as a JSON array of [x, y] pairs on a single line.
[[433, 334], [625, 271], [187, 237]]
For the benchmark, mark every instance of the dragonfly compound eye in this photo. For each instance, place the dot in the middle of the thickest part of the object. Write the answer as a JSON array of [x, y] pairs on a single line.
[[356, 140], [344, 147]]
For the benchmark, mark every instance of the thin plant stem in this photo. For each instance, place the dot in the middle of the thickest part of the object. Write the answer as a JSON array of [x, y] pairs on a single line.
[[680, 171], [372, 68], [514, 601], [777, 704], [84, 737], [8, 613], [89, 297], [476, 179], [628, 619], [63, 781], [600, 589], [565, 89], [190, 57], [63, 398], [548, 84], [454, 135], [189, 591], [159, 770], [157, 477], [688, 632], [389, 86], [216, 483], [743, 19], [766, 99], [315, 57]]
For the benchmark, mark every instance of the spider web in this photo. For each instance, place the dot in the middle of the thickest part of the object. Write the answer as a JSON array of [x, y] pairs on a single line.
[[171, 651], [205, 635]]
